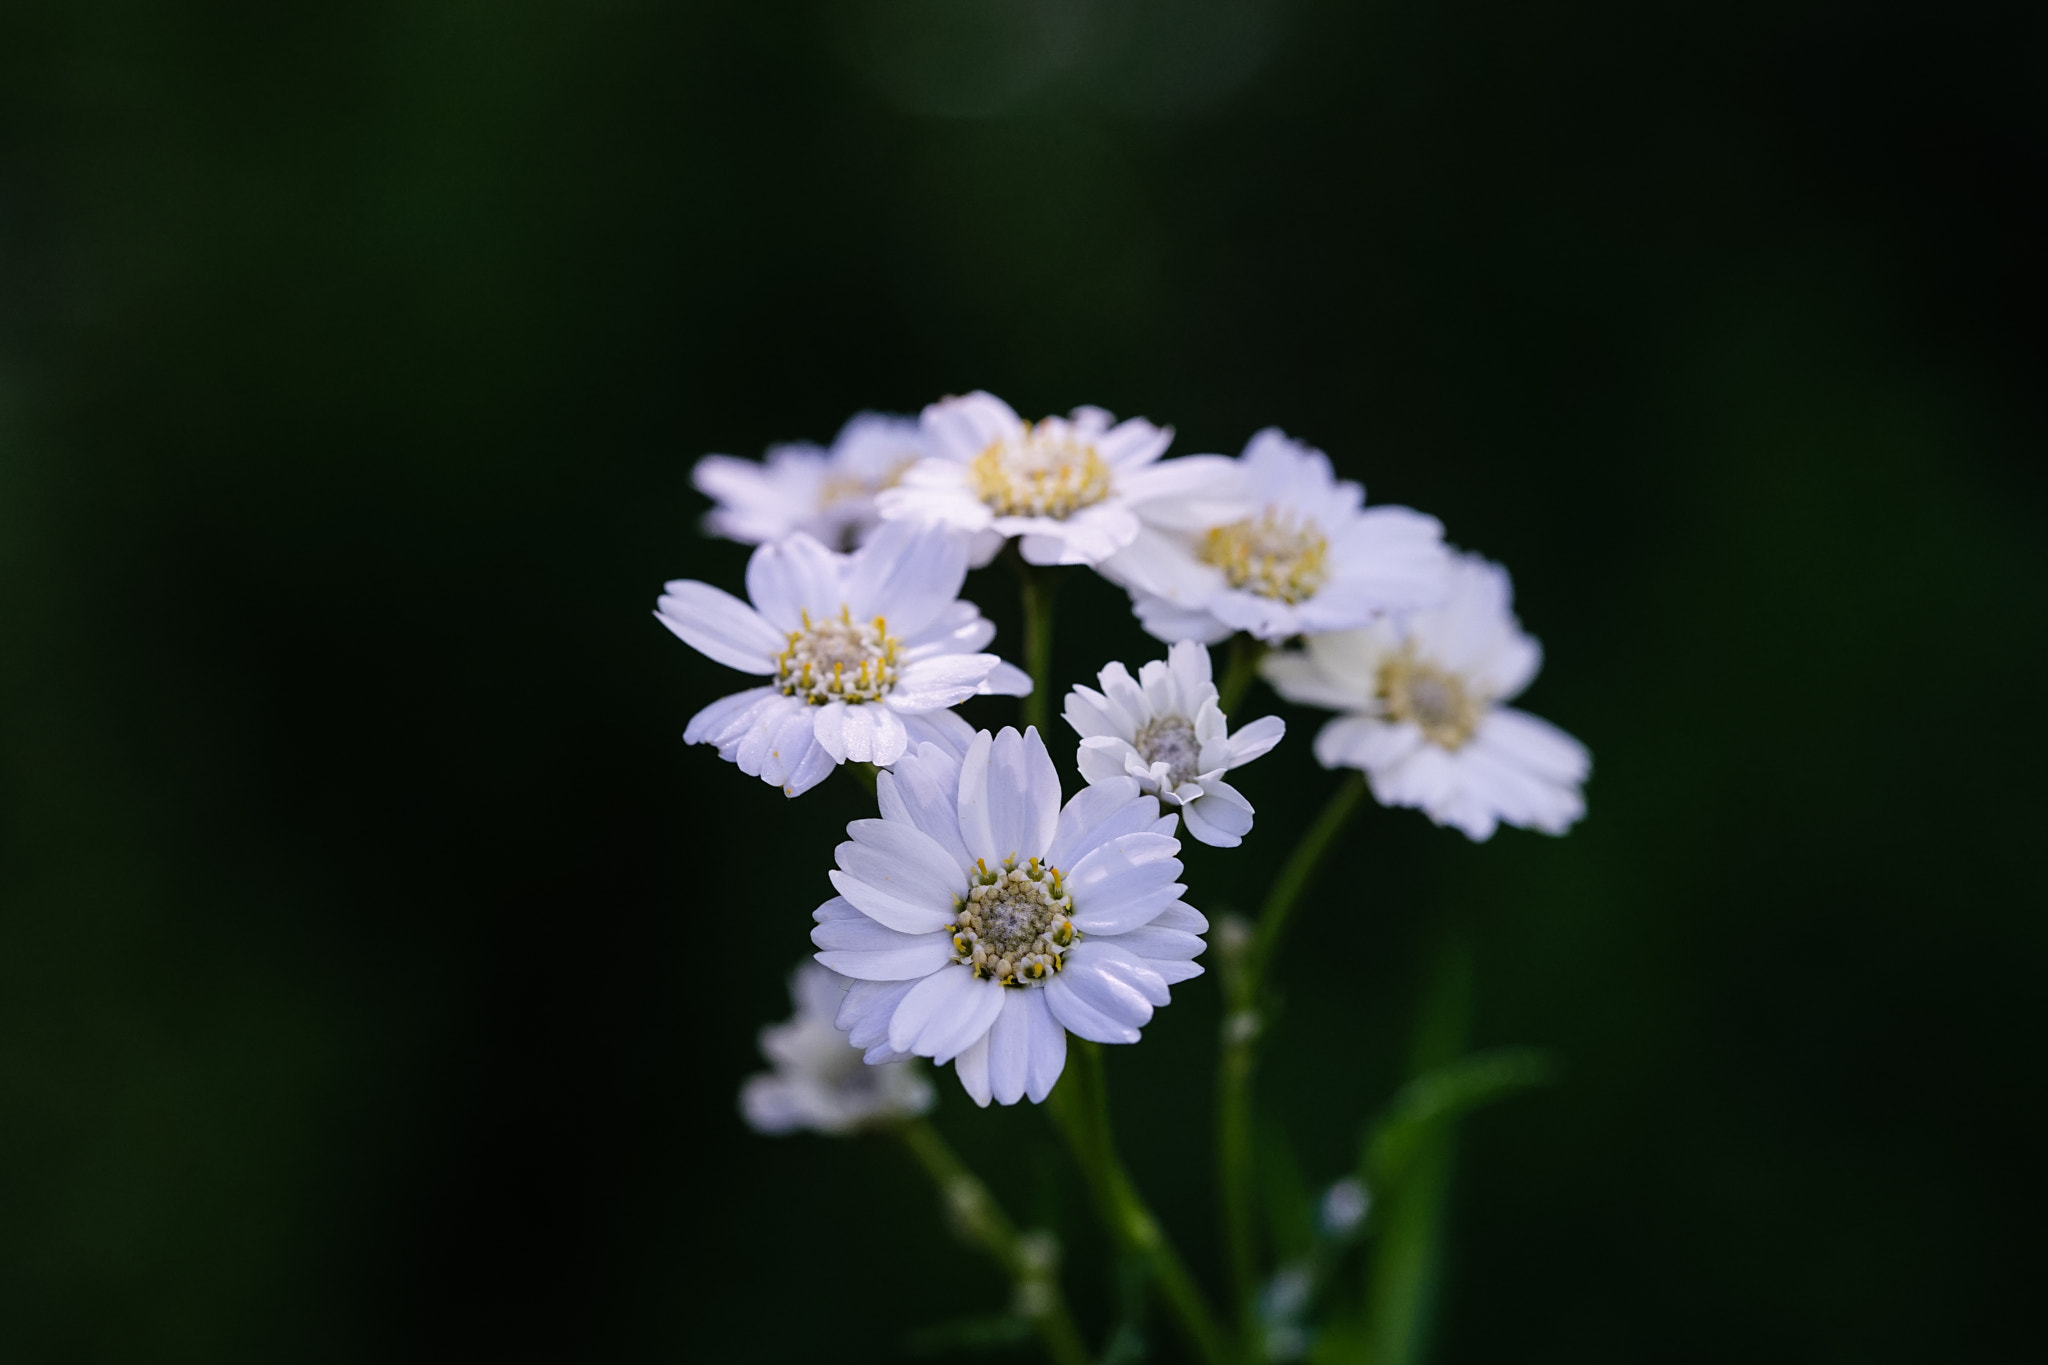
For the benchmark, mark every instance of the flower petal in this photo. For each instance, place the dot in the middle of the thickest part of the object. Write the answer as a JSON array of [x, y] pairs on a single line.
[[1023, 794], [903, 860], [1083, 1019], [907, 572], [922, 956], [1048, 1043], [793, 576], [1009, 1048], [910, 917], [972, 1067], [720, 626]]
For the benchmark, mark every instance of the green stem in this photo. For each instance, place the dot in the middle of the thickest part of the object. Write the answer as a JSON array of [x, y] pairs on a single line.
[[1080, 1105], [1242, 1025], [1038, 585], [1238, 671], [1038, 1293]]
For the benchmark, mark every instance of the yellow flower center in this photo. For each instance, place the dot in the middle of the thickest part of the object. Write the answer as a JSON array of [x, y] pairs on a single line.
[[1434, 699], [1041, 472], [838, 660], [1272, 554], [1014, 924]]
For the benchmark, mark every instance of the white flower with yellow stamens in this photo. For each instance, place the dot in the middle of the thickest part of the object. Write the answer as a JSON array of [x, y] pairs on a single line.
[[1075, 489], [982, 921], [1165, 731], [1304, 556], [819, 1081], [825, 493], [1425, 721], [864, 652]]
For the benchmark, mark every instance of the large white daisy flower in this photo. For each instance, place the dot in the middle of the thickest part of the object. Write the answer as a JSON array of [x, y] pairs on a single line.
[[864, 652], [982, 922], [829, 494], [819, 1081], [1076, 489], [1165, 732], [1306, 557], [1426, 723]]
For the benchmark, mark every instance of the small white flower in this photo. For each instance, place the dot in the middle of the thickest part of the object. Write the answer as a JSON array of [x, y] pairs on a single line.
[[864, 652], [982, 922], [1305, 556], [1165, 732], [1077, 489], [819, 1081], [828, 494], [1426, 723]]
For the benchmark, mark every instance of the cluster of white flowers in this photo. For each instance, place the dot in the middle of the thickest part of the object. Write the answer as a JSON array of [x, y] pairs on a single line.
[[979, 919]]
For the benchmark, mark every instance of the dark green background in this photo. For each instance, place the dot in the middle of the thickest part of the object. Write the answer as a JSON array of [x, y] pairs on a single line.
[[377, 966]]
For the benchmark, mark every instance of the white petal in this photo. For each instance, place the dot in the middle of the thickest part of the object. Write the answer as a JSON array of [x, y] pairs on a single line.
[[1005, 680], [720, 626], [1009, 1048], [1098, 814], [1183, 917], [922, 957], [1255, 739], [892, 740], [1023, 794], [727, 715], [920, 792], [1048, 1042], [1366, 742], [910, 917], [901, 859], [857, 733], [972, 1066], [935, 1003], [830, 728], [809, 770], [793, 576], [1087, 711], [973, 801], [1537, 745], [1107, 759], [864, 1013], [1220, 817], [908, 573], [1152, 941], [1083, 1019], [960, 1027], [1299, 678], [943, 730], [860, 934], [1115, 980], [941, 681]]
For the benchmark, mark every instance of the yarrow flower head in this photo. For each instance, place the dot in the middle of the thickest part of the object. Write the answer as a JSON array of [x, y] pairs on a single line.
[[820, 1081], [827, 494], [1165, 732], [982, 921], [1425, 718], [863, 653], [1075, 489], [1302, 555]]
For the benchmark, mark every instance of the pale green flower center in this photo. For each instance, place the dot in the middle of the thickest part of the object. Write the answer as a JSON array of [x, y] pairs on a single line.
[[1014, 924], [838, 660]]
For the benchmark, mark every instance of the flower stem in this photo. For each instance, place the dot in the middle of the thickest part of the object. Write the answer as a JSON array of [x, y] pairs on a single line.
[[1030, 1262], [1238, 671], [1038, 585], [1242, 1025], [1080, 1105]]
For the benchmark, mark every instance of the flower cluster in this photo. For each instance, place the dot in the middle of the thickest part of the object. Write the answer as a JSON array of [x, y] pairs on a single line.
[[982, 917]]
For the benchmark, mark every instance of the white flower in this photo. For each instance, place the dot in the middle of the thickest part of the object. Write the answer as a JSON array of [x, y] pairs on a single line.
[[819, 1081], [982, 922], [1077, 489], [1426, 723], [828, 494], [864, 652], [1304, 556], [1165, 732]]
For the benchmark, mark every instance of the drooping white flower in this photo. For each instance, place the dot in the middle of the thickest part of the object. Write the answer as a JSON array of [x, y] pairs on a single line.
[[1425, 718], [1076, 489], [982, 921], [828, 494], [820, 1081], [864, 653], [1305, 556], [1166, 732]]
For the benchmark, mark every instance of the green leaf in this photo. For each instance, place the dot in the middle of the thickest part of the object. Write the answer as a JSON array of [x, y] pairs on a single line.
[[1441, 1096]]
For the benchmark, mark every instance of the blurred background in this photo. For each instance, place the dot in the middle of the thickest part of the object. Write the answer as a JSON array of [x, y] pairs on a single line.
[[377, 966]]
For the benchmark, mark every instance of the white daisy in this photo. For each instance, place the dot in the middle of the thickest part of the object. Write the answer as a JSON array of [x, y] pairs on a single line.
[[1306, 556], [1165, 732], [864, 652], [1077, 489], [828, 494], [1426, 723], [982, 922], [819, 1081]]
